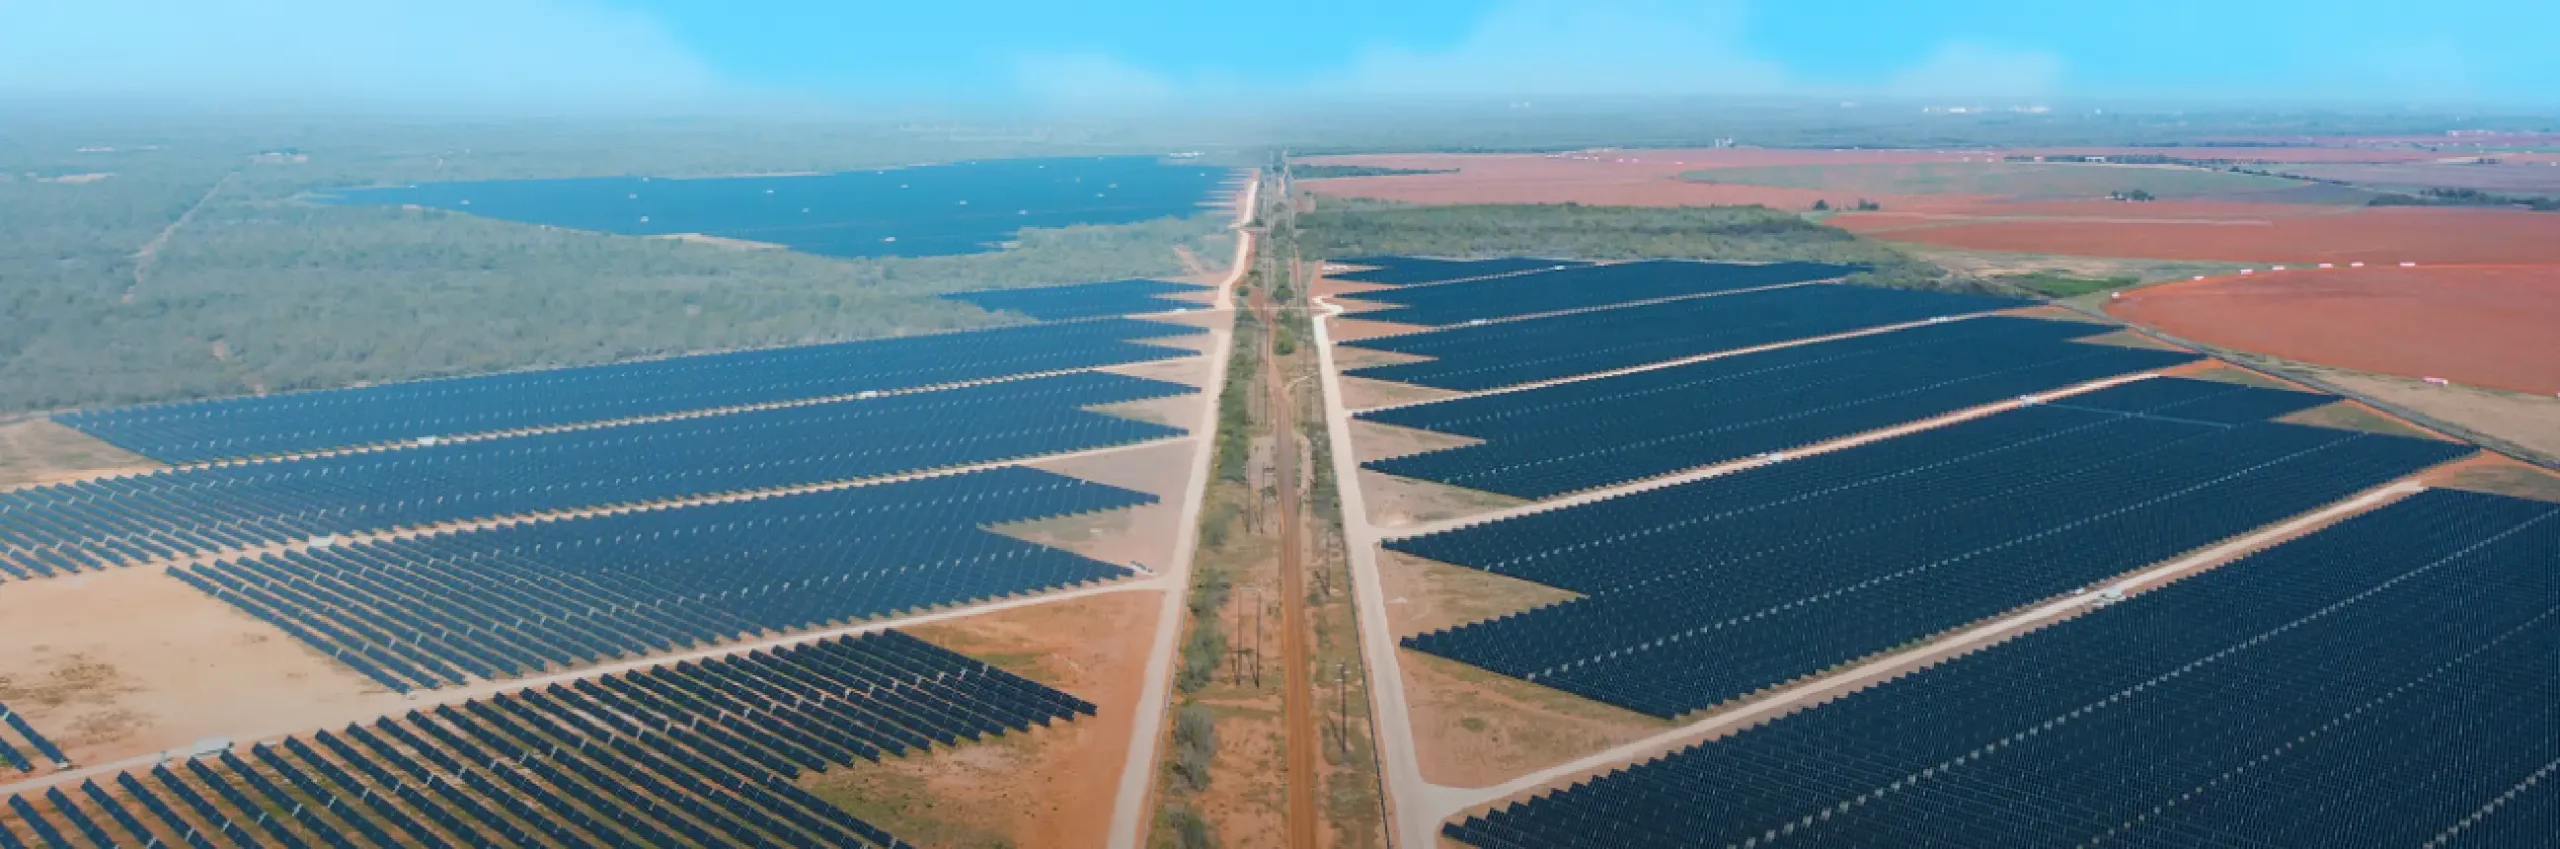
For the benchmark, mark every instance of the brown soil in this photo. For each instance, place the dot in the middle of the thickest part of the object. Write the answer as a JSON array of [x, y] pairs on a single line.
[[1373, 441], [1051, 787], [2530, 421], [1360, 393], [1350, 328], [1396, 502], [1347, 358], [113, 665], [723, 242], [1142, 535], [2229, 232], [2500, 475], [2487, 325], [1427, 595], [1475, 728], [38, 451]]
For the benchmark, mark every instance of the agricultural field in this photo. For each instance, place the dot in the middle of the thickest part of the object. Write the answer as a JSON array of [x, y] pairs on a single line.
[[1607, 550], [711, 600], [2019, 180], [2479, 325]]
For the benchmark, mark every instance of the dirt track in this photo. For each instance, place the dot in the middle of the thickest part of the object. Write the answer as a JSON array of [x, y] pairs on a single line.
[[1299, 692]]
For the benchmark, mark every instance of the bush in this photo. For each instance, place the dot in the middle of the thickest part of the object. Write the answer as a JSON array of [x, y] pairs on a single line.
[[1189, 830], [1195, 745]]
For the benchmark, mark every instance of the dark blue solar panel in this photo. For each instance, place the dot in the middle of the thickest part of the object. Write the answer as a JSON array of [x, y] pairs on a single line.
[[2384, 682]]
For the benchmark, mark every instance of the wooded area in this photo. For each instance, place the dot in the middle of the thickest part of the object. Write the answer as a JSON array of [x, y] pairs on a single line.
[[262, 290], [1341, 227]]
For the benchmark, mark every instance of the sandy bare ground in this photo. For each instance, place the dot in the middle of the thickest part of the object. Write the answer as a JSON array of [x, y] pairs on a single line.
[[1039, 789], [118, 664], [1352, 358], [1365, 394], [1142, 535], [1475, 728], [2530, 421], [2499, 475], [38, 451], [722, 242], [1354, 330]]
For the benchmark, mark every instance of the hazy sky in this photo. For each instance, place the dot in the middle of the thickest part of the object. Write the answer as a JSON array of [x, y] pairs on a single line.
[[558, 53]]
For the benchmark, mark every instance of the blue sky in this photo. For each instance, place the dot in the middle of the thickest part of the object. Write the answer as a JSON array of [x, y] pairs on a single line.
[[674, 53]]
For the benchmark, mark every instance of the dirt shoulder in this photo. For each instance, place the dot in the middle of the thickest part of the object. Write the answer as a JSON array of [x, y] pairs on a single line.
[[1036, 789]]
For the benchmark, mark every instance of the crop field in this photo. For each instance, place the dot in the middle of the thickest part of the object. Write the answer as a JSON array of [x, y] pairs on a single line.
[[697, 753], [2528, 178], [935, 210], [2479, 325], [1548, 441], [1582, 287], [1084, 300], [1965, 200], [1546, 348], [194, 511], [406, 412], [447, 609], [2020, 180], [1700, 593], [1411, 270], [2227, 232], [2385, 682]]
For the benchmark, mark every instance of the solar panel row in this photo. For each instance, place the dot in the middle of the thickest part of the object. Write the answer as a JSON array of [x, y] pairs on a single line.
[[697, 753], [202, 510], [1564, 438], [1546, 546], [301, 422], [1581, 287], [446, 609], [1472, 359], [1084, 300], [2384, 682], [1410, 270], [1697, 600], [11, 756]]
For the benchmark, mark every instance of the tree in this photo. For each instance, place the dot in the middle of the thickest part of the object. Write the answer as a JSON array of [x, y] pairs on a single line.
[[1821, 206]]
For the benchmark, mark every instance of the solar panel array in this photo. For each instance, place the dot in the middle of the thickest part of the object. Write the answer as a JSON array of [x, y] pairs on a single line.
[[699, 753], [1567, 437], [193, 511], [15, 755], [1472, 359], [450, 608], [1705, 592], [1084, 300], [1581, 287], [301, 422], [1410, 270], [2385, 682]]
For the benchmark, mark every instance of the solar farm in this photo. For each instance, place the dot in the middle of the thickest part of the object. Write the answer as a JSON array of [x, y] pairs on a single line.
[[1798, 561], [656, 603]]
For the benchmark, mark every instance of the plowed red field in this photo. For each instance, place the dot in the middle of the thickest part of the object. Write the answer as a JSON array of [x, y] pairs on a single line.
[[2477, 325], [2229, 231]]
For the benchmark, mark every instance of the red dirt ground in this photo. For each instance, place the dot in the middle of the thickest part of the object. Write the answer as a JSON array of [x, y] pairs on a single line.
[[2476, 325], [2224, 230], [1612, 178], [2233, 232]]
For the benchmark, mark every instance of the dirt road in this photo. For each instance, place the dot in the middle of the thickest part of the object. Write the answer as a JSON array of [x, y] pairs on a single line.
[[1299, 694], [1130, 809]]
